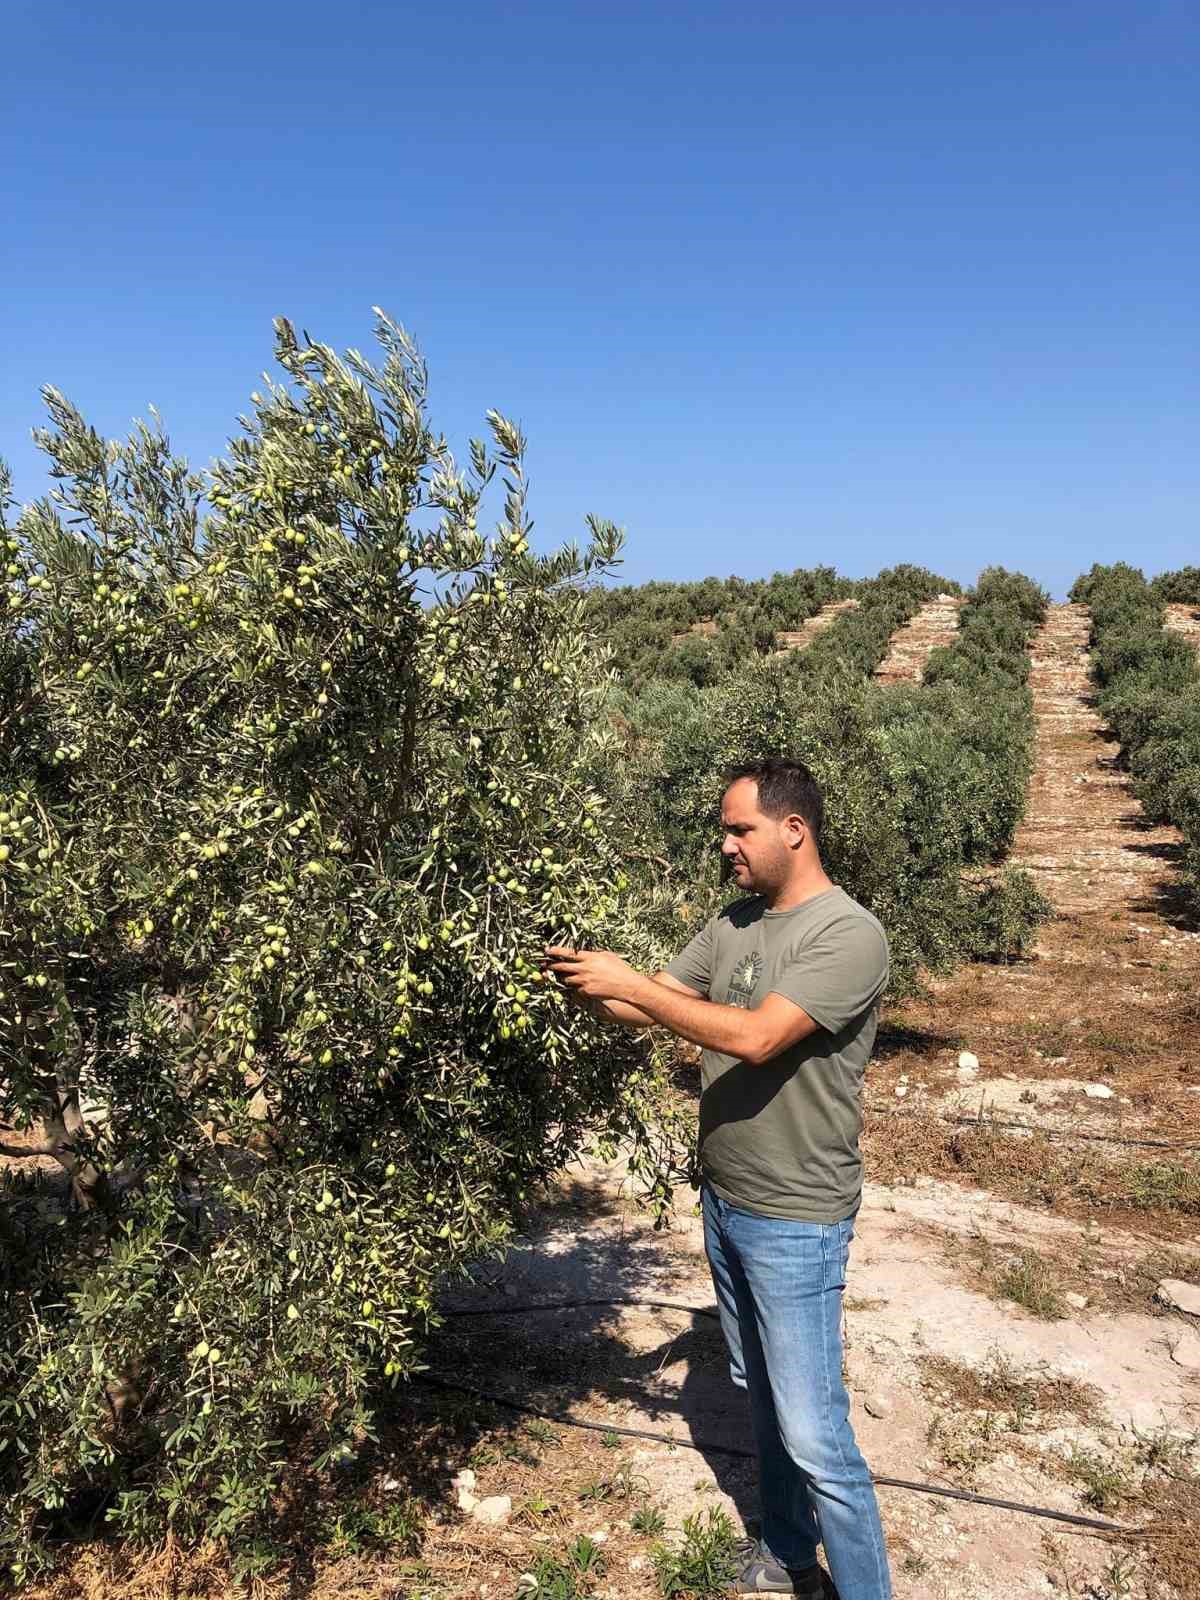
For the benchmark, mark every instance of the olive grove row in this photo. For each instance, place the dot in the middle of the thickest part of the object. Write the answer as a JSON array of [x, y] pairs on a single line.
[[1149, 688]]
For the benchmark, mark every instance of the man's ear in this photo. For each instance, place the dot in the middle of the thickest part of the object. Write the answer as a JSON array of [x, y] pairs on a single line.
[[797, 830]]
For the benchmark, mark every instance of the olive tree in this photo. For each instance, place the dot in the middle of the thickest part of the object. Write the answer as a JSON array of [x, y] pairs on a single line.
[[299, 773]]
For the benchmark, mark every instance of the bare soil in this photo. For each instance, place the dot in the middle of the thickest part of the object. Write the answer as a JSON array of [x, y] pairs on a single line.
[[1184, 619], [801, 638], [706, 629], [935, 624]]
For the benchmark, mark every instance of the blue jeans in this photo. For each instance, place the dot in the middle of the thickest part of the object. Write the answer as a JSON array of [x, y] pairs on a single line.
[[779, 1289]]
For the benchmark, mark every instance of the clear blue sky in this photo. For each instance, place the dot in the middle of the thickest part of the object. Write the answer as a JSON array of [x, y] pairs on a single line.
[[768, 284]]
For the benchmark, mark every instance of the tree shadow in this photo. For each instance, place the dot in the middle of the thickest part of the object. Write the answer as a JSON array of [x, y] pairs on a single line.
[[1171, 900], [897, 1039], [654, 1368], [1135, 820]]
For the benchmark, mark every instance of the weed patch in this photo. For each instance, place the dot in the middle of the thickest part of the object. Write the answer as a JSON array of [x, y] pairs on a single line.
[[1111, 1043], [965, 1442], [1029, 1281], [566, 1577], [357, 1529], [1106, 1481], [623, 1484], [648, 1521], [706, 1561]]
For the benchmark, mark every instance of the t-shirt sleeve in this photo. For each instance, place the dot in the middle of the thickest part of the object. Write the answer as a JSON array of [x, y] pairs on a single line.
[[836, 977], [693, 964]]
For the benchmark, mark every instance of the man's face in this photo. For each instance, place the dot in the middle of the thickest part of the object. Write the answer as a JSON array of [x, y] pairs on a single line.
[[755, 844]]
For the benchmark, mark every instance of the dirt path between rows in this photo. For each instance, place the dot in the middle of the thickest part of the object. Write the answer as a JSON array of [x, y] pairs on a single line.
[[801, 638], [935, 624], [1083, 824], [1103, 1003], [1184, 619]]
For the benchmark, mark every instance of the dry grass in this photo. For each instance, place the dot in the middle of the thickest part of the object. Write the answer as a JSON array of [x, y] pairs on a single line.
[[1172, 1545], [999, 1385], [1038, 1169]]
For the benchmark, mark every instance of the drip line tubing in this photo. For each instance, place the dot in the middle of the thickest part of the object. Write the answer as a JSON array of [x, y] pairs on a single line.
[[430, 1380]]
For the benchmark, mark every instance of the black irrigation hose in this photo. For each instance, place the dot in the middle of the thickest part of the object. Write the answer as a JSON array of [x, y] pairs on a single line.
[[1028, 1127], [566, 1418]]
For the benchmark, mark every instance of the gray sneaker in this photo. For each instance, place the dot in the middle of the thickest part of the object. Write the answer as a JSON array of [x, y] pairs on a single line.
[[761, 1574]]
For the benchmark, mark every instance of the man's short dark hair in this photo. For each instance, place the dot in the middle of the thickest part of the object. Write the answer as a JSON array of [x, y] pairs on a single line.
[[785, 788]]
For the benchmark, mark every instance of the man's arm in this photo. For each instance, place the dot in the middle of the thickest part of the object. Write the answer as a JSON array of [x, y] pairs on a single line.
[[621, 1011], [753, 1036]]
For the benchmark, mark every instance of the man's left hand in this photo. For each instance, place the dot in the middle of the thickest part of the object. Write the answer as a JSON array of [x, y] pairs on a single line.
[[599, 974]]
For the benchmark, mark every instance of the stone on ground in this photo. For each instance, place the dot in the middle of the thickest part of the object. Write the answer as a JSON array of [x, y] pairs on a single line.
[[1183, 1296]]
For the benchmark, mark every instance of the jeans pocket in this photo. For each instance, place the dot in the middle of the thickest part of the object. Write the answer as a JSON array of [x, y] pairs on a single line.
[[835, 1253]]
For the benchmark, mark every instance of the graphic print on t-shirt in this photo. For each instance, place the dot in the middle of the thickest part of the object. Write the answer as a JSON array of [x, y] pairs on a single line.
[[743, 980]]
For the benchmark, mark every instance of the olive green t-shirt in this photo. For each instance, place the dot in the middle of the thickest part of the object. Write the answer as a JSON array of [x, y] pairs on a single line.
[[781, 1139]]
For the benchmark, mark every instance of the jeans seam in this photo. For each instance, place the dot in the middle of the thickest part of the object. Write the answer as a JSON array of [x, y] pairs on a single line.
[[880, 1564]]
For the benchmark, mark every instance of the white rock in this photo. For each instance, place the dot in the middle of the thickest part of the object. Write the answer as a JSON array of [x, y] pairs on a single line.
[[390, 1484], [877, 1405], [494, 1510], [901, 1090], [1076, 1300], [1145, 1416], [967, 1062], [1098, 1091], [464, 1479], [1186, 1353], [1183, 1296]]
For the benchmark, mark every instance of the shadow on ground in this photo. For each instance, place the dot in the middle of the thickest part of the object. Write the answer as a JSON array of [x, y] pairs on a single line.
[[897, 1039], [639, 1366]]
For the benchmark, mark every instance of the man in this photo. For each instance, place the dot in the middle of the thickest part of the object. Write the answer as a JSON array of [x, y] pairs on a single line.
[[781, 990]]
